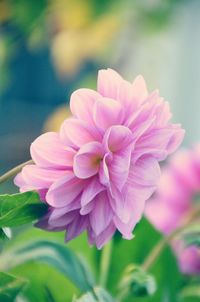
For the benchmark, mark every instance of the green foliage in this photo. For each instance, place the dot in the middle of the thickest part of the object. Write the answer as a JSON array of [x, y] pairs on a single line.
[[97, 295], [52, 274], [42, 276], [124, 253], [28, 14], [191, 290], [88, 297], [5, 233], [10, 287], [19, 209], [165, 269], [137, 282], [191, 235], [45, 281], [53, 254]]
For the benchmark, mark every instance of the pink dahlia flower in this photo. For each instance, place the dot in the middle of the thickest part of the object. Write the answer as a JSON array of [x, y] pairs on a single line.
[[178, 189], [98, 171]]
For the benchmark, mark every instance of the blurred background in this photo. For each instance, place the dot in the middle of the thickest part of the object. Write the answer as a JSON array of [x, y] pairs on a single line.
[[48, 48]]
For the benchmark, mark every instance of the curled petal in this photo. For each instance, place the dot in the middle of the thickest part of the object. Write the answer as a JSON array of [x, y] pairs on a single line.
[[76, 133], [87, 160], [117, 138], [104, 176], [48, 151]]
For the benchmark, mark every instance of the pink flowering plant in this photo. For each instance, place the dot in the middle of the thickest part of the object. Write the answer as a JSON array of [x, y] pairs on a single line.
[[96, 176], [177, 201]]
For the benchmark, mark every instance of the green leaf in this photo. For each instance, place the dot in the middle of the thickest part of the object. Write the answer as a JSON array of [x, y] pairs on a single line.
[[97, 295], [88, 297], [38, 273], [44, 281], [191, 291], [137, 282], [103, 295], [19, 209], [10, 287], [55, 255], [5, 233], [165, 270]]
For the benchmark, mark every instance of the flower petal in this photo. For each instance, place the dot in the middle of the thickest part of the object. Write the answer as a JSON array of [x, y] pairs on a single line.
[[48, 151], [161, 215], [40, 177], [117, 137], [145, 171], [62, 220], [82, 102], [76, 227], [140, 88], [118, 140], [125, 229], [76, 133], [65, 190], [87, 160], [43, 223], [108, 83], [159, 142], [104, 176], [119, 168], [118, 203], [91, 190], [105, 236], [107, 112], [86, 209], [131, 96], [134, 203], [101, 215]]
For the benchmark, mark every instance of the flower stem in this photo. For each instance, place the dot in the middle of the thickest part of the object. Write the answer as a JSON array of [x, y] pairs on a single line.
[[105, 263], [11, 173], [157, 250]]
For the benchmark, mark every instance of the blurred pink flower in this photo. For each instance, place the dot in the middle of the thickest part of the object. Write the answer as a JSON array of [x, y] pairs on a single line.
[[178, 188], [99, 170]]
